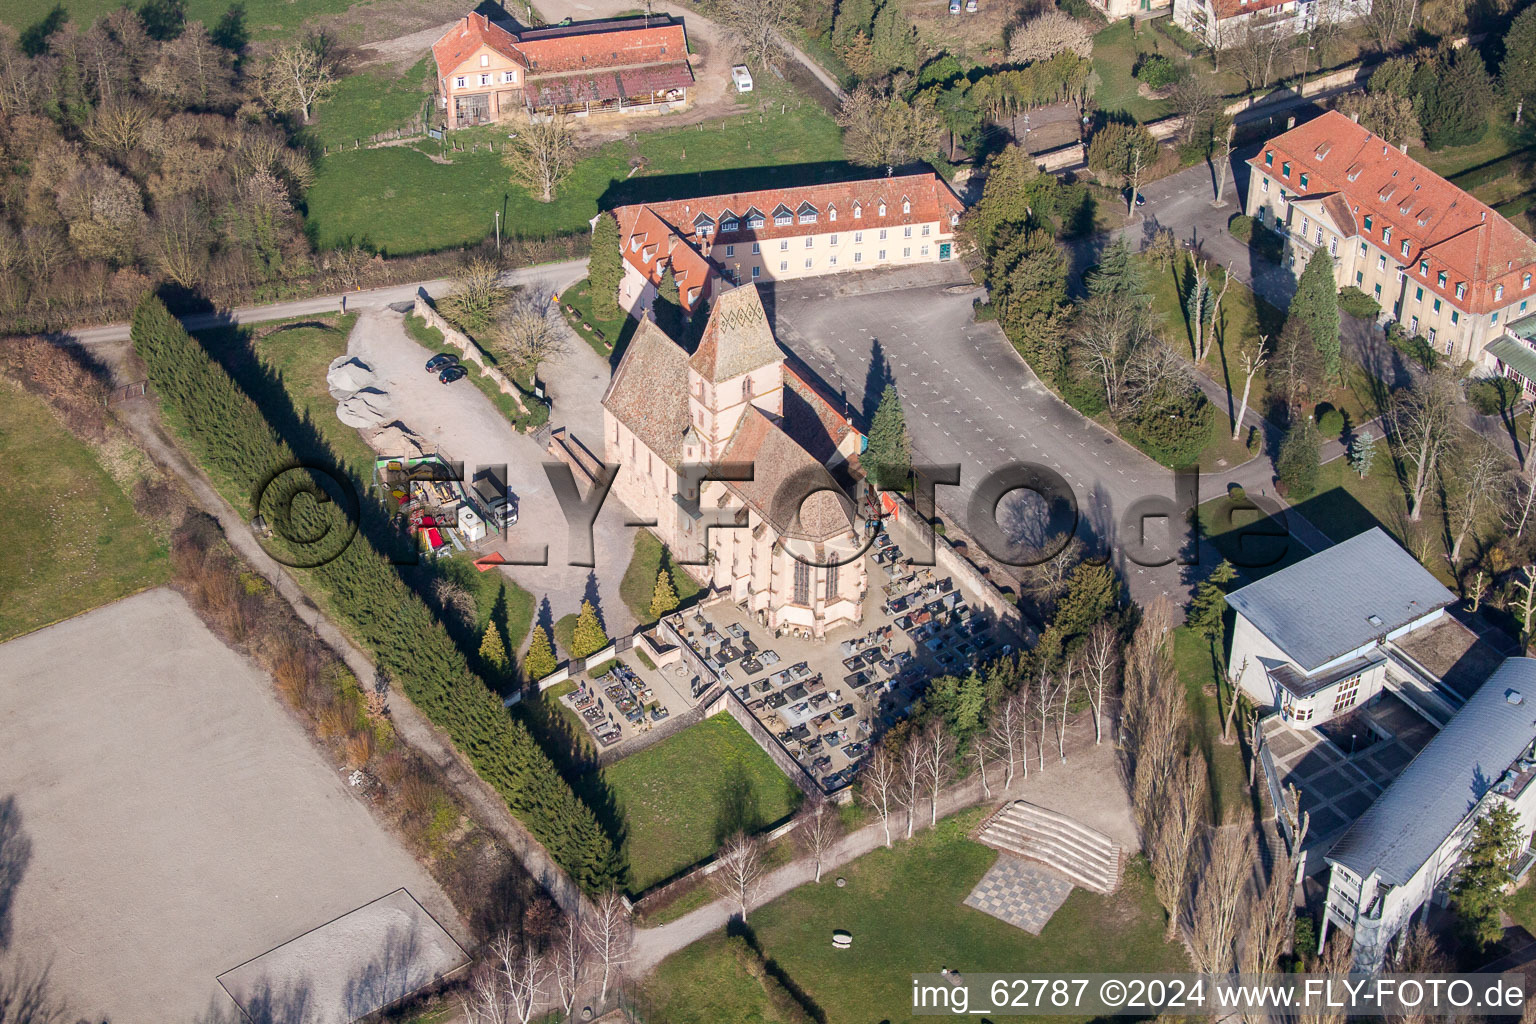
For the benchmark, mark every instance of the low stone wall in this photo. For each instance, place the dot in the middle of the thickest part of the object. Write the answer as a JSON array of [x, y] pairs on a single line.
[[732, 705], [1056, 159], [467, 349]]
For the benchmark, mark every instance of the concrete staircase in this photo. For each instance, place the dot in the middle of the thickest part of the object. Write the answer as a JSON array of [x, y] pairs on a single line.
[[1087, 857]]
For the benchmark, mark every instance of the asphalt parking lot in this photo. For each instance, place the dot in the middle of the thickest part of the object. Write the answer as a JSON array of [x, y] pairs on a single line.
[[969, 398], [168, 819]]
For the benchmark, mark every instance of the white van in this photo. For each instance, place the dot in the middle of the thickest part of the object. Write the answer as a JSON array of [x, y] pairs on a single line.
[[742, 77]]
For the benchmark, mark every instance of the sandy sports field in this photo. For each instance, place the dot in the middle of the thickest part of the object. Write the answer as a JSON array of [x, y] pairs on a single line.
[[170, 820]]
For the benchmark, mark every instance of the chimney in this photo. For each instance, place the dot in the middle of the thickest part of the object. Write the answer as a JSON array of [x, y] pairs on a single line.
[[1404, 147], [1290, 123], [1355, 117]]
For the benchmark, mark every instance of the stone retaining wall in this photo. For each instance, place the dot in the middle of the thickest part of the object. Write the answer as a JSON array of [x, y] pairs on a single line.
[[468, 350]]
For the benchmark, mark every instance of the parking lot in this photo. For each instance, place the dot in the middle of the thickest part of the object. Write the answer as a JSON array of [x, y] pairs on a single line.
[[826, 700], [173, 818]]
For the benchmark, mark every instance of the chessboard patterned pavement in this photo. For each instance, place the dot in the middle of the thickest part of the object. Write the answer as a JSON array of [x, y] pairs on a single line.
[[1019, 892]]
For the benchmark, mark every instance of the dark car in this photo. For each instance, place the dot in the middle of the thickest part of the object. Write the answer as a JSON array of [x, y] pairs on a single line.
[[441, 361], [452, 373]]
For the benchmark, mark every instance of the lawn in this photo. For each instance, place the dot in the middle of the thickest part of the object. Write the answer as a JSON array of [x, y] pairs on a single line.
[[1501, 139], [263, 18], [639, 582], [616, 332], [679, 798], [903, 907], [73, 539], [399, 200], [370, 102], [1522, 906], [1227, 774], [293, 357], [1115, 52]]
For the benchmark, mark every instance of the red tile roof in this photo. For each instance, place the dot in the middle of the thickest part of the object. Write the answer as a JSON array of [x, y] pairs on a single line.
[[651, 245], [1450, 230], [633, 43], [607, 85], [459, 43], [1233, 8], [930, 201], [580, 47]]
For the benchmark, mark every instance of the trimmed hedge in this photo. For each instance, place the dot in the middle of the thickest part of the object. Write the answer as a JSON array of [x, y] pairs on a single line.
[[1358, 304], [229, 435]]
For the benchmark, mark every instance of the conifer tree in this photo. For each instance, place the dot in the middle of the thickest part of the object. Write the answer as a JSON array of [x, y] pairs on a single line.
[[605, 270], [664, 598], [540, 661], [588, 637], [493, 650], [888, 457]]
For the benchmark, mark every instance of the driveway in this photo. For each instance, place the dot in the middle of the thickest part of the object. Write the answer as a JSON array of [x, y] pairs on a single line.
[[969, 398], [466, 426]]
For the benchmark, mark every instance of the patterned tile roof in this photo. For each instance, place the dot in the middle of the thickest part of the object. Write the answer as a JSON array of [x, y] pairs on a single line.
[[649, 392], [600, 86], [737, 338], [782, 472], [1446, 231]]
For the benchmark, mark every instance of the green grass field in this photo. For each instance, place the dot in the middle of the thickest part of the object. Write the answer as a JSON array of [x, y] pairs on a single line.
[[368, 103], [1227, 774], [616, 331], [72, 538], [679, 798], [904, 909], [398, 200], [639, 582], [263, 18]]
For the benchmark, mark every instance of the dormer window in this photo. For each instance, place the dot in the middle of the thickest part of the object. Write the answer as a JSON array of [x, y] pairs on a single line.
[[1269, 158], [1303, 180], [1442, 279], [881, 210], [1405, 248], [906, 205], [831, 213], [1525, 282], [1498, 292], [754, 219], [1461, 290], [1386, 233], [704, 224], [728, 222], [783, 216], [1424, 267], [858, 212], [485, 60], [807, 213], [1285, 169]]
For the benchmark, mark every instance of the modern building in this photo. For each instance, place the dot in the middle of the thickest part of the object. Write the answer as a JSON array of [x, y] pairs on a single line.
[[1398, 857], [1439, 261], [1224, 23], [779, 537], [784, 233], [490, 71], [1309, 647], [1397, 725], [1114, 10]]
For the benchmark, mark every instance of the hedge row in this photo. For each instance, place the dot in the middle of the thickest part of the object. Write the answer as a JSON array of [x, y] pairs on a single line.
[[229, 435]]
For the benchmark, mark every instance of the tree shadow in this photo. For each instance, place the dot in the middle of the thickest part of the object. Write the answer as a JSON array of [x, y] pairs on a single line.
[[737, 808], [544, 617], [876, 378], [15, 856], [593, 595]]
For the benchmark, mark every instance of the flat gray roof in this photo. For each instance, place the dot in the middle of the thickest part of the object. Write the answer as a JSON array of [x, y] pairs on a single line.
[[1322, 607], [360, 963], [1424, 804]]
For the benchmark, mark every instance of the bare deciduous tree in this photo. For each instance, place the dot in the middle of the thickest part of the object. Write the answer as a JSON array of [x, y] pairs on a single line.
[[818, 828], [1047, 34], [1252, 364], [1390, 21], [878, 782], [1424, 420], [569, 959], [478, 296], [1003, 735], [527, 333], [761, 24], [522, 973], [295, 77], [1478, 468], [543, 156], [1518, 503], [911, 778], [1172, 843], [1253, 51], [937, 749], [1101, 671], [609, 933], [1112, 329], [1233, 689], [1271, 920], [1069, 671], [739, 876], [1219, 898], [1047, 686], [881, 129], [1525, 602]]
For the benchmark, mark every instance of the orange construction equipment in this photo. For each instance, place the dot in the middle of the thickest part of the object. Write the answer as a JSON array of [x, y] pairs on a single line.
[[485, 563]]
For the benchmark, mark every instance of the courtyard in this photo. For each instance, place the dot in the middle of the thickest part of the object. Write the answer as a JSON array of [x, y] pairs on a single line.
[[169, 820]]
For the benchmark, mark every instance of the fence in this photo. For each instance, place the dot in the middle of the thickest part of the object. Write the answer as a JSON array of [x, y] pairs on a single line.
[[466, 346]]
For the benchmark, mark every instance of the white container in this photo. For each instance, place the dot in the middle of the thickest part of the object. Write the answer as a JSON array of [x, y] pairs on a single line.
[[471, 525], [742, 77]]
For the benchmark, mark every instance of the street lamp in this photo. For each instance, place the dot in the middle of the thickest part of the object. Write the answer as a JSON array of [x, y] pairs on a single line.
[[498, 231]]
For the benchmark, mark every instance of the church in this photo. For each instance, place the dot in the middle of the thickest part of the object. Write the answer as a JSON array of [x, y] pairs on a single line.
[[780, 536]]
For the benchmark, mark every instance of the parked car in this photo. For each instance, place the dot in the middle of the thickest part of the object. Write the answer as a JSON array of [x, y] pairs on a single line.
[[742, 78], [970, 6], [441, 362], [452, 373], [954, 6]]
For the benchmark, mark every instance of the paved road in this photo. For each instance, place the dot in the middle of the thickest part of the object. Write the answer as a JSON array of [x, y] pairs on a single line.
[[547, 276], [971, 400]]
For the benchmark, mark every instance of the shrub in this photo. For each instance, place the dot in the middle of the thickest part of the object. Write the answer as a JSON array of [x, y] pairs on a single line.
[[1172, 428], [1492, 396], [240, 450], [1412, 346], [1358, 304], [1330, 421], [1240, 227], [1178, 37], [1298, 464], [1157, 71], [1084, 11]]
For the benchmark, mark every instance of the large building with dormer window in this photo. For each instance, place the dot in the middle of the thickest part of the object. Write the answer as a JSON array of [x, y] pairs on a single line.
[[1224, 23], [1441, 262], [784, 233], [489, 71], [779, 537]]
